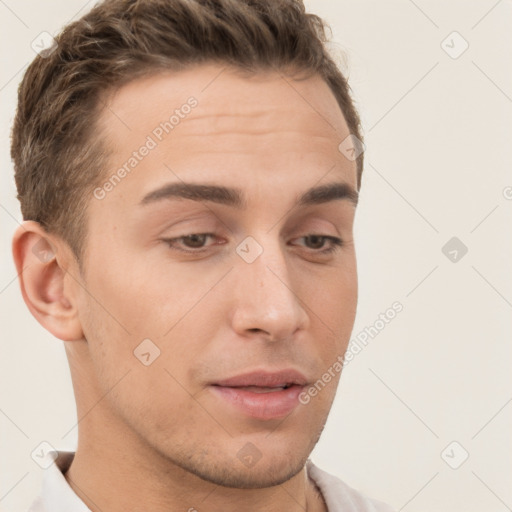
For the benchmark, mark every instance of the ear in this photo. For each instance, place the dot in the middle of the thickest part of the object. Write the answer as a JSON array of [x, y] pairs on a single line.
[[42, 262]]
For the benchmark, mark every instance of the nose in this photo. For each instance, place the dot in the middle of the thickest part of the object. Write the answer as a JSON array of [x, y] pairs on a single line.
[[266, 299]]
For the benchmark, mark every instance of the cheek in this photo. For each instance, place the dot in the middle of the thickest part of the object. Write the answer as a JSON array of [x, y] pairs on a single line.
[[146, 385], [149, 296], [130, 297], [334, 301], [138, 323], [340, 299]]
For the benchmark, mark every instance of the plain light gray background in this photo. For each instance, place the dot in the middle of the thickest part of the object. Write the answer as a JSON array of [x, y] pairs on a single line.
[[437, 165]]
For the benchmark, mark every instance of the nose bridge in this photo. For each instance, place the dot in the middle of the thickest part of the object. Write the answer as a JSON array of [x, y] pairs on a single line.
[[265, 298]]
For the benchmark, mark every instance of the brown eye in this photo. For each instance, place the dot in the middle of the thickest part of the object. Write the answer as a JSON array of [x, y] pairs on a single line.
[[193, 243], [196, 240], [318, 241]]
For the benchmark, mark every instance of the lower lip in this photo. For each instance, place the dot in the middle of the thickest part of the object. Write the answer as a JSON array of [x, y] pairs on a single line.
[[263, 406]]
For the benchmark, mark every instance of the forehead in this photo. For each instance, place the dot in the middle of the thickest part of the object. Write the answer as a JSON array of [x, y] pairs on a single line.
[[239, 128], [222, 90]]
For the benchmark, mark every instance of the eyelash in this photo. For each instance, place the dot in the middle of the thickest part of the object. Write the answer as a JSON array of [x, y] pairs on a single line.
[[337, 243]]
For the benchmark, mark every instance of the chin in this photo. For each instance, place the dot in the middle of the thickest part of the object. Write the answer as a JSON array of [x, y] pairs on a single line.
[[262, 474]]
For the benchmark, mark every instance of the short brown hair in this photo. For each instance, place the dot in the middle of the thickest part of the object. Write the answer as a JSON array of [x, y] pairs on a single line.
[[59, 157]]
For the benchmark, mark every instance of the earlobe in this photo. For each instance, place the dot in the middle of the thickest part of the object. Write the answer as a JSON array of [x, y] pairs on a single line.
[[42, 272]]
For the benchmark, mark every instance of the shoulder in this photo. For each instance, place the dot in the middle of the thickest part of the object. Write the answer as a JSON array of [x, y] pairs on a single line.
[[339, 496]]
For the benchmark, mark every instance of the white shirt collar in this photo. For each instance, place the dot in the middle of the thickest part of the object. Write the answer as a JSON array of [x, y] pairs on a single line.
[[56, 494]]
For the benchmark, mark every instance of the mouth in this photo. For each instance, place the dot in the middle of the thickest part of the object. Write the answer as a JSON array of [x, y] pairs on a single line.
[[261, 395], [262, 389]]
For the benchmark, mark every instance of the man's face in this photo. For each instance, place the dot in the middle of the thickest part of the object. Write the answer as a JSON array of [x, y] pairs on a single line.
[[257, 294]]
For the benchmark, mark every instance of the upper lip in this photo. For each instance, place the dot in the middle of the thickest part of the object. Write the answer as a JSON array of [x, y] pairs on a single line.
[[263, 378]]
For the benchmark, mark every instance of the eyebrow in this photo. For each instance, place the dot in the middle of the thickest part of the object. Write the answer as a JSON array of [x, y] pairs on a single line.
[[234, 197]]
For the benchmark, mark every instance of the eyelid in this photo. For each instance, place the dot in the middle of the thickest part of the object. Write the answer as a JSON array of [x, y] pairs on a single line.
[[190, 251], [336, 243]]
